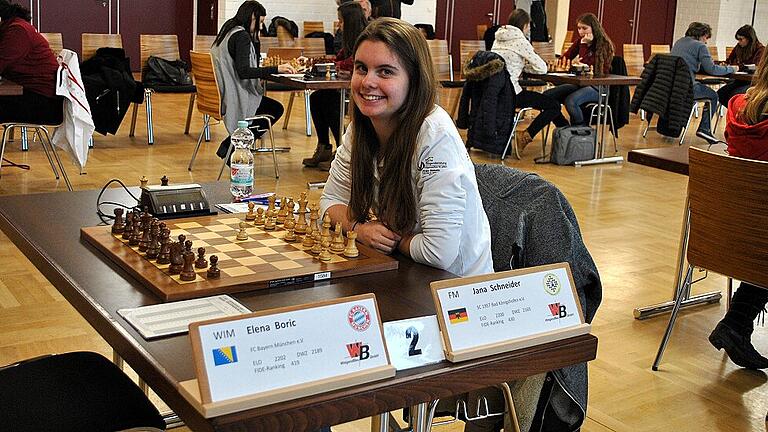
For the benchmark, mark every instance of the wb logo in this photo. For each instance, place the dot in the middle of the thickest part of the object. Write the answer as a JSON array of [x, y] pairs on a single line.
[[557, 310], [359, 350]]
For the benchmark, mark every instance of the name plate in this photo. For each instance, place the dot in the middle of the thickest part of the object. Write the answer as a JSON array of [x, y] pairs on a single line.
[[499, 312], [281, 354], [414, 342]]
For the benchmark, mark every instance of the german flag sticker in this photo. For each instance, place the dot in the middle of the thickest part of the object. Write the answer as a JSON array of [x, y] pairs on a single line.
[[458, 315]]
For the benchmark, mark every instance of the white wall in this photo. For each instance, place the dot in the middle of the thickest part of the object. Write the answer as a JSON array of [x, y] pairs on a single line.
[[422, 11]]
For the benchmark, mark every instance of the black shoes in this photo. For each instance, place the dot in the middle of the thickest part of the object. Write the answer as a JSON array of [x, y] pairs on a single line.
[[738, 346], [707, 136]]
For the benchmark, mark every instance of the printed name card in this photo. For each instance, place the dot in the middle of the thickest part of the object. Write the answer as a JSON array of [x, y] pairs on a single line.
[[281, 354], [499, 312]]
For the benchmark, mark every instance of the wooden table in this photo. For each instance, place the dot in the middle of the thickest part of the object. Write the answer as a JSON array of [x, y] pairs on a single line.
[[10, 88], [301, 83], [603, 85], [97, 288], [673, 159]]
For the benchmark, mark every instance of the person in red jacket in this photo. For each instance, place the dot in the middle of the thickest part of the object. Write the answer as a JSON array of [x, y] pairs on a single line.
[[27, 59], [748, 51], [746, 133]]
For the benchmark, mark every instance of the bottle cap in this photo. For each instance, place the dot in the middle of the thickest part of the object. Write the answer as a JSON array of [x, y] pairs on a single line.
[[242, 124]]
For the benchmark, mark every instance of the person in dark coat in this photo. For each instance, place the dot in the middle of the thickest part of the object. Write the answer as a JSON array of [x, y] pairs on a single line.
[[665, 89], [388, 8], [487, 103]]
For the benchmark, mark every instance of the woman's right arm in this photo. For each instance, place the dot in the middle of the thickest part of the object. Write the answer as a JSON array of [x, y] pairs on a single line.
[[239, 47]]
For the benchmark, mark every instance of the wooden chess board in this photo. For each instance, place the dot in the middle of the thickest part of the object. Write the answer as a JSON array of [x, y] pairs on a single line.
[[265, 260]]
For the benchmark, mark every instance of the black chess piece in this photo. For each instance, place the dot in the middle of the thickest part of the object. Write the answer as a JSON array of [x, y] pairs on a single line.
[[135, 237], [164, 257], [119, 225], [128, 226], [153, 250], [164, 181], [201, 262], [177, 261], [188, 271], [213, 270]]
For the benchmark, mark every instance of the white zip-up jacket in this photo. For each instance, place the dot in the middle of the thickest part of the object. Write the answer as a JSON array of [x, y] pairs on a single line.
[[452, 231], [518, 54]]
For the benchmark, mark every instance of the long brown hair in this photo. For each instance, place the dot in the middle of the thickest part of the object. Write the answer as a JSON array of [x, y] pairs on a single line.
[[757, 96], [396, 203], [601, 43], [745, 53], [352, 15]]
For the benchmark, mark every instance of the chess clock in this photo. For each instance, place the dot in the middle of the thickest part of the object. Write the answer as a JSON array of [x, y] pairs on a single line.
[[176, 201]]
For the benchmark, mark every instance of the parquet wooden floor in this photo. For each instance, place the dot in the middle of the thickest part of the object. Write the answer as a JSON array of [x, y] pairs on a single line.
[[630, 217]]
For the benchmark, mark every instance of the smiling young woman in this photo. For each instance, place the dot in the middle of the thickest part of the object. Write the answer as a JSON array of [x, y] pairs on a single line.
[[403, 179]]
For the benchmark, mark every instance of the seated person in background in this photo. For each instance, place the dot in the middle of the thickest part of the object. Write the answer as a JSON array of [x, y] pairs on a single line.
[[593, 47], [693, 49], [746, 132], [27, 59], [511, 43], [748, 51], [324, 104], [236, 58], [337, 37], [402, 160]]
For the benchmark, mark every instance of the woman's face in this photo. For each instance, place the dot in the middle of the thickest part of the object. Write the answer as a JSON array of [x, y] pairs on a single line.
[[743, 42], [254, 25], [380, 82], [583, 29]]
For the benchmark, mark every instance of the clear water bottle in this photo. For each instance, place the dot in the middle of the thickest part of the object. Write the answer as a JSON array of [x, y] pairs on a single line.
[[241, 162]]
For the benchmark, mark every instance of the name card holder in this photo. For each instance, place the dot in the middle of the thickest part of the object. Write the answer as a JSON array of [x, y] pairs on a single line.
[[276, 355], [499, 312]]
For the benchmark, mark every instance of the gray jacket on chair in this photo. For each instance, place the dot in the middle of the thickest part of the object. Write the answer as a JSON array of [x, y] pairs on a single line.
[[533, 224]]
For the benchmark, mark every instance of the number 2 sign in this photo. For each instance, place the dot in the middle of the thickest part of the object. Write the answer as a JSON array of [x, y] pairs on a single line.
[[414, 342]]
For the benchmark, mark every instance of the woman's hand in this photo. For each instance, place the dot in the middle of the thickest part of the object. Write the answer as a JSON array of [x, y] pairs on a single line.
[[286, 68], [587, 39], [377, 236]]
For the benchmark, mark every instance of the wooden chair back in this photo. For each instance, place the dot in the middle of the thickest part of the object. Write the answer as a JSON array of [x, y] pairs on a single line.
[[567, 42], [203, 43], [313, 26], [728, 51], [313, 47], [208, 96], [443, 65], [467, 49], [713, 51], [545, 50], [55, 41], [285, 53], [634, 58], [481, 29], [93, 41], [163, 46], [659, 49], [438, 47], [728, 199], [284, 37], [268, 42]]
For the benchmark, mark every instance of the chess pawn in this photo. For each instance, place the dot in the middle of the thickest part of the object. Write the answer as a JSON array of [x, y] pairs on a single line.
[[308, 241], [290, 236], [316, 246], [324, 256], [201, 262], [143, 180], [213, 270], [351, 250], [250, 215], [269, 224], [164, 180], [177, 261], [242, 234], [337, 245], [290, 222], [119, 226], [259, 220]]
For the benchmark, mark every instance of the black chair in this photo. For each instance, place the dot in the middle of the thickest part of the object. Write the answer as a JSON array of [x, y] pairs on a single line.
[[77, 391]]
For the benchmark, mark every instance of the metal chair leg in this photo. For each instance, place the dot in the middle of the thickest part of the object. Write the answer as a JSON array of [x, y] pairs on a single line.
[[513, 135], [687, 124], [307, 112], [24, 139], [206, 119], [50, 159], [192, 97], [2, 146], [148, 105], [133, 119], [56, 156], [274, 153], [684, 285]]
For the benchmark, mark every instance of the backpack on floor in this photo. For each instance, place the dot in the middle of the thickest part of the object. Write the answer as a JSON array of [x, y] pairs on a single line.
[[573, 143]]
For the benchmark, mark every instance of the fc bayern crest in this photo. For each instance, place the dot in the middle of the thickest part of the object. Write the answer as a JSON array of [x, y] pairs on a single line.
[[359, 318]]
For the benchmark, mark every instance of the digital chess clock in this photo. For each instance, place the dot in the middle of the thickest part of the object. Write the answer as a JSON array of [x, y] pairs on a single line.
[[177, 201]]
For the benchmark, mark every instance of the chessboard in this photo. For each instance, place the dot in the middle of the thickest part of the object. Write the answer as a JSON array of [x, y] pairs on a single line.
[[262, 260]]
